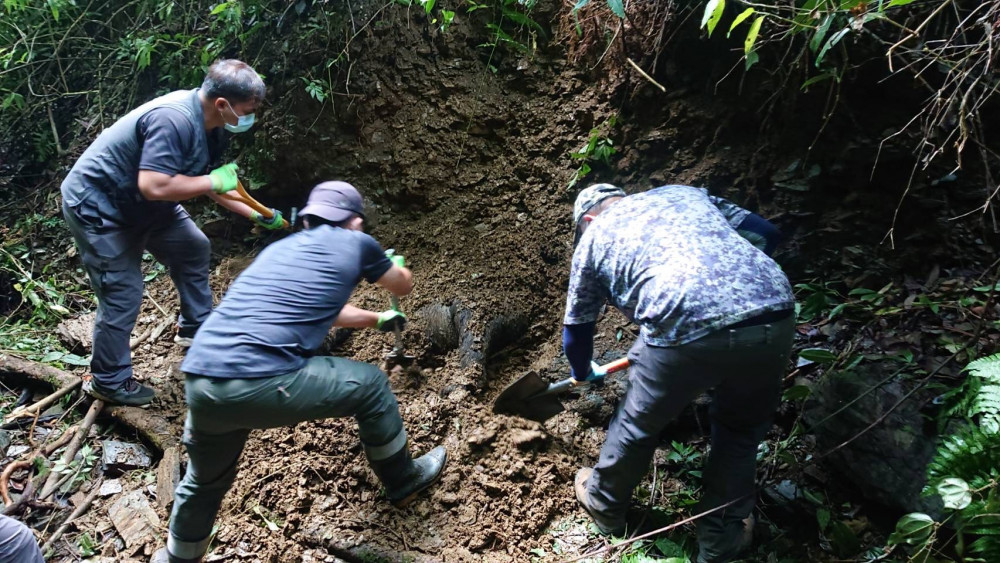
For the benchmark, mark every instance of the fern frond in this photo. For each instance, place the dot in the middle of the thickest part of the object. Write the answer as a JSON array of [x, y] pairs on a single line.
[[987, 402], [987, 368], [970, 454]]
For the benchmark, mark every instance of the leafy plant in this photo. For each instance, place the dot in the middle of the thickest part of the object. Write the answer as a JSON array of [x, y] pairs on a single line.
[[85, 545], [598, 149], [78, 468], [965, 473]]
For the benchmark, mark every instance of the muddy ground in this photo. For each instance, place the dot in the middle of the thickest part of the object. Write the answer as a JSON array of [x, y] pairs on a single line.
[[465, 172]]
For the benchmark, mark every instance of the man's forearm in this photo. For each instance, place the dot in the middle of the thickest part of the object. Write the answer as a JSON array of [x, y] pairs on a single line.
[[578, 343], [156, 186], [236, 207], [354, 317]]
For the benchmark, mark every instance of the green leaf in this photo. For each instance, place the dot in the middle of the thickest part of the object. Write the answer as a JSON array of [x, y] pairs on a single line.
[[52, 356], [914, 528], [818, 355], [796, 392], [821, 31], [893, 3], [830, 44], [579, 5], [955, 493], [617, 7], [752, 59], [740, 19], [752, 35], [713, 13], [219, 9], [823, 518]]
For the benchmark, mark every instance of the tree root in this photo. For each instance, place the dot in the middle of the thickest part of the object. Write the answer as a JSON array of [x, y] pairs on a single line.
[[151, 427], [73, 516], [38, 407], [27, 462], [53, 480]]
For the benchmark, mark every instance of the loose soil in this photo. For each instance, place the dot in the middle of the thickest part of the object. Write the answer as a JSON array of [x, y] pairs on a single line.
[[465, 173]]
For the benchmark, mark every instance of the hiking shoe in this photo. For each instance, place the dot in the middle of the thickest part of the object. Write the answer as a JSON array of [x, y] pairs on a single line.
[[185, 336], [130, 393], [738, 544], [607, 526]]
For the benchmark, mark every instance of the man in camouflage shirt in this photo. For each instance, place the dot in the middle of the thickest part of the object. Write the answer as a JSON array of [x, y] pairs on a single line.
[[714, 311]]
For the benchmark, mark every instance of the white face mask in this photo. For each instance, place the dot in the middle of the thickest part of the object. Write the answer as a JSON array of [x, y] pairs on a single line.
[[243, 122]]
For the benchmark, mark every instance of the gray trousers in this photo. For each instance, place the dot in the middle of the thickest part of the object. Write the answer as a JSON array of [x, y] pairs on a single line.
[[745, 367], [221, 413], [17, 543], [112, 256]]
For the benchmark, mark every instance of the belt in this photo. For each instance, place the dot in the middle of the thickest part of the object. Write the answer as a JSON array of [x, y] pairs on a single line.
[[764, 318]]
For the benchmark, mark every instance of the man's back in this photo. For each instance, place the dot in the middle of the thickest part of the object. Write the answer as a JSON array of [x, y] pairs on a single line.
[[279, 310], [673, 264]]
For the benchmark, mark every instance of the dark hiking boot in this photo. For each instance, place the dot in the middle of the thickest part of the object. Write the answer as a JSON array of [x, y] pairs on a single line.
[[739, 544], [405, 477], [607, 526], [185, 336], [130, 393]]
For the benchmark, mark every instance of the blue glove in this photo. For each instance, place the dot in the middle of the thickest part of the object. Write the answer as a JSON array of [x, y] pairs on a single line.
[[595, 377]]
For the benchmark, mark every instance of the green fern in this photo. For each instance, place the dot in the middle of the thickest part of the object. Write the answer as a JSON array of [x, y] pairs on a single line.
[[986, 404], [965, 471]]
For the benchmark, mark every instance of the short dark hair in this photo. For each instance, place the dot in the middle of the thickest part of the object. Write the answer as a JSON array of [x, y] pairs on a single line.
[[312, 221], [233, 80]]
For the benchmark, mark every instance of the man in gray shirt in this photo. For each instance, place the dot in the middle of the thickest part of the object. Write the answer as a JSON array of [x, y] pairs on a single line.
[[714, 311], [121, 198]]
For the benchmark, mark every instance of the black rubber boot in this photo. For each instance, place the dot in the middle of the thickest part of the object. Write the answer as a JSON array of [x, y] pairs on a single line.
[[404, 477], [163, 556]]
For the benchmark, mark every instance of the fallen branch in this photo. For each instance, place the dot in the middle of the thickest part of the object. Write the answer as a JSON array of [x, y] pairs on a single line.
[[32, 410], [646, 76], [153, 428], [53, 480], [96, 488]]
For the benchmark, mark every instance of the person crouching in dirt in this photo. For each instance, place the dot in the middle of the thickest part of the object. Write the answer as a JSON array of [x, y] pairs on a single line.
[[251, 365], [121, 198], [17, 543], [714, 312]]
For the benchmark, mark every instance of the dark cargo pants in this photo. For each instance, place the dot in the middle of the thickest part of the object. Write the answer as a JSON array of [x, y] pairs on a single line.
[[221, 413], [745, 367], [112, 256], [17, 543]]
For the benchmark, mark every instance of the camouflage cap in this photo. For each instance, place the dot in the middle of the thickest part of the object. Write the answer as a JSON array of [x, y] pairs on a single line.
[[591, 196]]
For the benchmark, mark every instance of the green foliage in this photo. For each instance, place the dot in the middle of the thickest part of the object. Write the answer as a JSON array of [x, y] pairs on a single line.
[[77, 469], [617, 7], [86, 546], [598, 149], [511, 26], [965, 474]]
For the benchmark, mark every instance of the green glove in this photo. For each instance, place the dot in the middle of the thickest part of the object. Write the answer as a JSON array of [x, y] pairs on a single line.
[[224, 178], [396, 259], [390, 320], [275, 222]]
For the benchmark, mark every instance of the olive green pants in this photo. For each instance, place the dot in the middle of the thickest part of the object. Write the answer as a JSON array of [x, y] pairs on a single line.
[[221, 413]]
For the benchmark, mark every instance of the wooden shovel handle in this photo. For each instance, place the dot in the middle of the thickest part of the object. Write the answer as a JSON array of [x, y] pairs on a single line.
[[243, 197], [617, 365]]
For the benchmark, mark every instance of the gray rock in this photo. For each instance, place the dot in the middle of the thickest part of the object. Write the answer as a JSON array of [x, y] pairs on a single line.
[[17, 450], [5, 439], [889, 462], [77, 334], [123, 456], [110, 487], [134, 519]]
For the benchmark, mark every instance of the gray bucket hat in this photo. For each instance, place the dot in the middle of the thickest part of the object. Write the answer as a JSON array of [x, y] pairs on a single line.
[[334, 201]]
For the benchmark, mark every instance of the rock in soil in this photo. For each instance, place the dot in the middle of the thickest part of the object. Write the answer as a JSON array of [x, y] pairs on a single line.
[[111, 487], [76, 334], [168, 474], [120, 457], [135, 519]]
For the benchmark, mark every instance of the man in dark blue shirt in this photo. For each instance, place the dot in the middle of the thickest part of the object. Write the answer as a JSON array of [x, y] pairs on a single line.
[[251, 365], [121, 198]]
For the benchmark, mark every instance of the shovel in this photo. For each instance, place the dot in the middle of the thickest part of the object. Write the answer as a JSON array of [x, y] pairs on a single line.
[[243, 196], [532, 398], [398, 355]]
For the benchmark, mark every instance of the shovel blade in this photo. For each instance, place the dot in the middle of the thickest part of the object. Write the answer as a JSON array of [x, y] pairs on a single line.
[[525, 398]]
